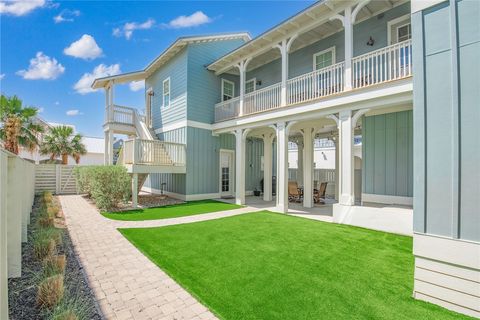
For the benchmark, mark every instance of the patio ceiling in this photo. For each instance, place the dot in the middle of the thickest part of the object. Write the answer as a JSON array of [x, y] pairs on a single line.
[[311, 25]]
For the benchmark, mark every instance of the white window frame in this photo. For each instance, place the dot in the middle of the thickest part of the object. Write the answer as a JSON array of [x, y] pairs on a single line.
[[332, 49], [231, 175], [394, 22], [254, 84], [401, 26], [169, 91], [233, 86]]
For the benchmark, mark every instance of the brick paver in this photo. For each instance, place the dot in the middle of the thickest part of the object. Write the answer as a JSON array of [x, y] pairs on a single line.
[[127, 285]]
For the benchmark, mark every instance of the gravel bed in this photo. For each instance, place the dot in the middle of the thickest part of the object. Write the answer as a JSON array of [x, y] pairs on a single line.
[[145, 200], [22, 291]]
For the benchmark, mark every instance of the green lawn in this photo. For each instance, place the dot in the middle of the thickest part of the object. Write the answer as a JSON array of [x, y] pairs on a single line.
[[172, 211], [271, 266]]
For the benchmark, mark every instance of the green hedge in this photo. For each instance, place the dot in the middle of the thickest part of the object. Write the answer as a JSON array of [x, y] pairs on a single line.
[[107, 185]]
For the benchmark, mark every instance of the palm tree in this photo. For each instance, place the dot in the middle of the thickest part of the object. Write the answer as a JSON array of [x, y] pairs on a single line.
[[17, 125], [61, 141]]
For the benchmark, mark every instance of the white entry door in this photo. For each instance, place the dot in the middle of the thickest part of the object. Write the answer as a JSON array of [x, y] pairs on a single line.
[[226, 173]]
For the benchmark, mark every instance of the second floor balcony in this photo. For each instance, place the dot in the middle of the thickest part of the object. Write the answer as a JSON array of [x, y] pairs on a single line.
[[387, 64]]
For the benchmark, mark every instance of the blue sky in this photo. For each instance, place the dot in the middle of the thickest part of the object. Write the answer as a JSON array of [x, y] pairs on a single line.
[[48, 47]]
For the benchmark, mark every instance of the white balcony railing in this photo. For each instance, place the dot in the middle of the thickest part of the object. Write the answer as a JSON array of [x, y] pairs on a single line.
[[119, 114], [386, 64], [316, 84], [228, 109], [263, 99], [153, 152]]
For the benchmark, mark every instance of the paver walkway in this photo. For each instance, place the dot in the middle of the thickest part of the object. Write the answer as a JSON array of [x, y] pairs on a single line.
[[127, 285]]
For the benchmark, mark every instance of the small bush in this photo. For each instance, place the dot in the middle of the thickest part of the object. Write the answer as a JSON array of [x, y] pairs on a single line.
[[53, 210], [45, 221], [53, 265], [108, 185], [45, 241], [50, 291], [47, 197]]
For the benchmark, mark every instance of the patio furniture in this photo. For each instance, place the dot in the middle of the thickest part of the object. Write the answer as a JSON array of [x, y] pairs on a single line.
[[319, 195], [294, 193]]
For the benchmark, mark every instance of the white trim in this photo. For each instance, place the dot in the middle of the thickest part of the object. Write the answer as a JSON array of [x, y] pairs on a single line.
[[190, 197], [418, 5], [254, 85], [233, 88], [392, 22], [331, 49], [232, 174], [169, 95], [387, 199], [182, 124]]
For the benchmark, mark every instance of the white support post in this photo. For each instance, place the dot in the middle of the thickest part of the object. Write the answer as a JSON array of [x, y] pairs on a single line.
[[267, 166], [348, 25], [337, 169], [308, 167], [284, 47], [110, 147], [242, 68], [135, 190], [240, 135], [300, 152], [282, 167], [346, 158], [106, 141]]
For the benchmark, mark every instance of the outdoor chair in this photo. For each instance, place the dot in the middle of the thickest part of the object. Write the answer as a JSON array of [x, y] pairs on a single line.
[[319, 195], [294, 194]]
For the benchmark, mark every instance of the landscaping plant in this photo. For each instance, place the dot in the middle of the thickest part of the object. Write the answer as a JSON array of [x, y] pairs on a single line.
[[54, 264], [50, 291]]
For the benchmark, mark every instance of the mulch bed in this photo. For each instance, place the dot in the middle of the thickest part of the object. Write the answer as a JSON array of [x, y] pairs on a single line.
[[22, 291], [145, 200]]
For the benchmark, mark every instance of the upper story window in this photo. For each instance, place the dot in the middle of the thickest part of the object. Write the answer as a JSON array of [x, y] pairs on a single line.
[[399, 29], [228, 90], [324, 58], [250, 85], [166, 92]]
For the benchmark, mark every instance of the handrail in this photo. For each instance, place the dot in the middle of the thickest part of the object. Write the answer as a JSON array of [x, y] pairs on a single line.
[[154, 152], [228, 109], [262, 99]]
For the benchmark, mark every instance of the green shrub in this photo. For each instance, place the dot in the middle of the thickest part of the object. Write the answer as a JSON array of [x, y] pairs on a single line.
[[107, 185], [72, 307]]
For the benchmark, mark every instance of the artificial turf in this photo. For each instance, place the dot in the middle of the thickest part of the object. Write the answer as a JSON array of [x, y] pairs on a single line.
[[172, 211], [271, 266]]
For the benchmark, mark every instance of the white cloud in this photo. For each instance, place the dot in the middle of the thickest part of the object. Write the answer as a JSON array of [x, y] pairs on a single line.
[[2, 76], [66, 16], [73, 112], [20, 7], [193, 20], [129, 27], [85, 48], [57, 103], [83, 86], [42, 67], [137, 85]]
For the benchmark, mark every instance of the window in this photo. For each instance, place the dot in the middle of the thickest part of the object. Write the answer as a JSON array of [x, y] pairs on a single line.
[[228, 90], [399, 29], [166, 93], [324, 58], [404, 32], [250, 85]]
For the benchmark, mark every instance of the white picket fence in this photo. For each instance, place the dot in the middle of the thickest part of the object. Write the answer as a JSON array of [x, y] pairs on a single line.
[[56, 178], [16, 199]]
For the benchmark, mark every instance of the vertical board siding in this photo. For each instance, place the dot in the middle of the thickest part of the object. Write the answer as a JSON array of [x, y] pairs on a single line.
[[253, 172], [204, 87], [387, 154], [448, 168], [176, 69]]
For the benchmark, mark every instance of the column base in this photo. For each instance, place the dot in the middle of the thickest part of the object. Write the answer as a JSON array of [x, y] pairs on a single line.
[[281, 209], [447, 273]]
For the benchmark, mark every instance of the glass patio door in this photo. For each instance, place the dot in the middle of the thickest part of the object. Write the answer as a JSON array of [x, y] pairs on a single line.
[[226, 173]]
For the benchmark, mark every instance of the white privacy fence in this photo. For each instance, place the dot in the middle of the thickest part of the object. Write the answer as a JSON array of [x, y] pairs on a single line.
[[16, 200], [56, 178]]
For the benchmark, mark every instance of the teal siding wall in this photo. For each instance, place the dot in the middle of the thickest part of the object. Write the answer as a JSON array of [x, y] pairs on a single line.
[[203, 85], [446, 39], [301, 61], [176, 69], [253, 172], [387, 147]]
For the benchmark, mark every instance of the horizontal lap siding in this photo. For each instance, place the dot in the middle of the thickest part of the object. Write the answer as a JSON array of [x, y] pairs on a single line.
[[387, 148], [176, 69]]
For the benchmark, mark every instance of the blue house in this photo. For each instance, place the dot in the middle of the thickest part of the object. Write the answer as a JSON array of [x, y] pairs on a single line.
[[221, 111]]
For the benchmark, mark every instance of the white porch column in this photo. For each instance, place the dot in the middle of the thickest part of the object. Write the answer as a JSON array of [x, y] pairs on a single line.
[[347, 24], [300, 152], [242, 68], [284, 48], [282, 166], [240, 150], [308, 167], [110, 147], [345, 129], [135, 190], [106, 141], [267, 166], [337, 169]]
